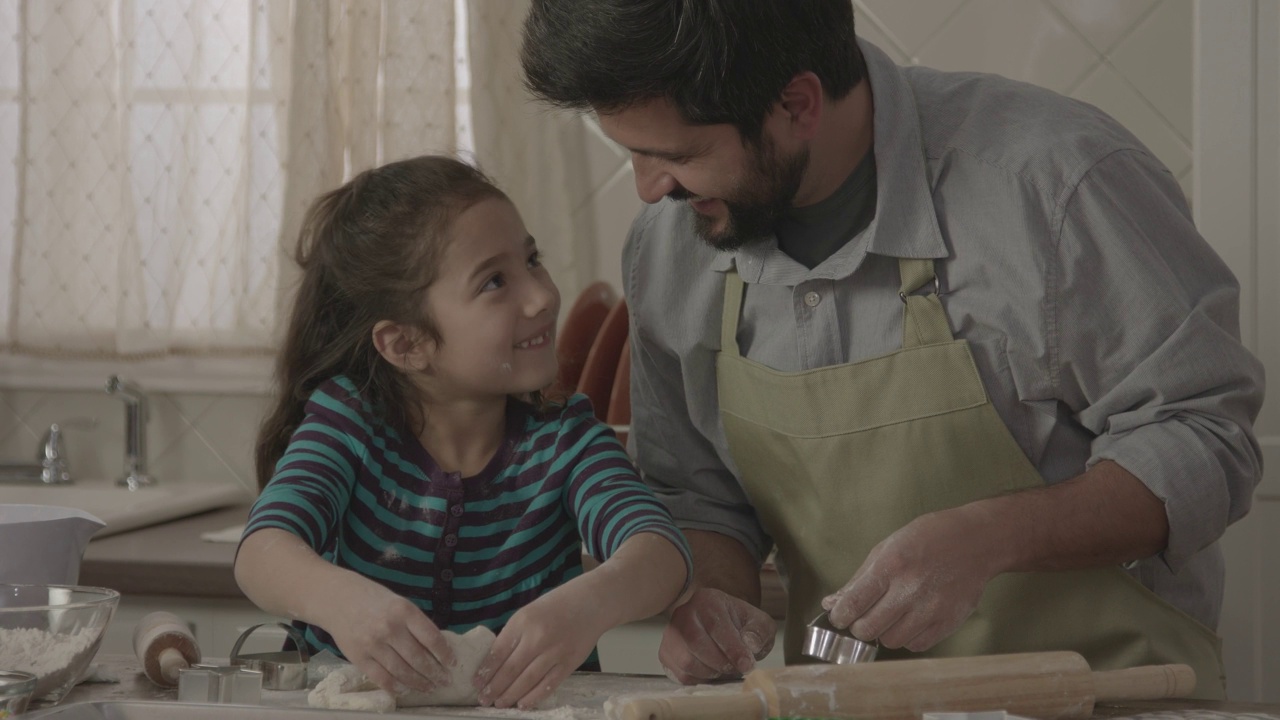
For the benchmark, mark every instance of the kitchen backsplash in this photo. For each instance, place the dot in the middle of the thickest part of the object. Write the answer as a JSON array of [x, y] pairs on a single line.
[[190, 437]]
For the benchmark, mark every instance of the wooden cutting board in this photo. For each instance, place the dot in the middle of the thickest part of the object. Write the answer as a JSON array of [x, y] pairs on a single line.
[[1048, 685]]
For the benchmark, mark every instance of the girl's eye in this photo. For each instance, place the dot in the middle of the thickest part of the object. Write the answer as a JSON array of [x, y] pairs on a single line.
[[535, 259], [495, 282]]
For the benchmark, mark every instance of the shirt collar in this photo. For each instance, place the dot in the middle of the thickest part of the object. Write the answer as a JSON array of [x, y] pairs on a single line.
[[905, 224]]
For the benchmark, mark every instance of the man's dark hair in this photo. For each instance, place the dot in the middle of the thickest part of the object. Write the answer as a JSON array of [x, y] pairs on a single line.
[[717, 61]]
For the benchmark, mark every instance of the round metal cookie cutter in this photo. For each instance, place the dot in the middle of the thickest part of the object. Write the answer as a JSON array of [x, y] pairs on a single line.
[[825, 642], [282, 670]]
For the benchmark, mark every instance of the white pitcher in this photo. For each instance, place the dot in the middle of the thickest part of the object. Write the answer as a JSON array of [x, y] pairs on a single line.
[[43, 544]]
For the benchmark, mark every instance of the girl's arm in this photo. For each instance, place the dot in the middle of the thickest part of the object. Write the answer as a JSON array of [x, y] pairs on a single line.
[[383, 634], [645, 564]]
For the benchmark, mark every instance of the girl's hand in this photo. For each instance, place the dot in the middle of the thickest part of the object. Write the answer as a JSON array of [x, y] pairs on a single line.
[[541, 645], [389, 638]]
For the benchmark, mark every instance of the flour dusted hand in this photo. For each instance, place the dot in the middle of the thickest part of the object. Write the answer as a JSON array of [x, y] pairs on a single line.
[[919, 584], [542, 644], [348, 688], [387, 637]]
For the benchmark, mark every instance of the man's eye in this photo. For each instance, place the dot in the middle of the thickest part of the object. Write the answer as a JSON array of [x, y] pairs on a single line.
[[535, 258], [495, 282]]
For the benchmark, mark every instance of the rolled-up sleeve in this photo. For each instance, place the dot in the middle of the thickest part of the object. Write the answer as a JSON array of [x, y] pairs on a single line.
[[1148, 351], [676, 458]]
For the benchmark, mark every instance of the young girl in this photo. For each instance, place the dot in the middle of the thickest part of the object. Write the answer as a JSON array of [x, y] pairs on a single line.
[[418, 481]]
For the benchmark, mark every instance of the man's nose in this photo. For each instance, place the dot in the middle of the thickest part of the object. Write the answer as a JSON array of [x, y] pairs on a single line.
[[652, 182]]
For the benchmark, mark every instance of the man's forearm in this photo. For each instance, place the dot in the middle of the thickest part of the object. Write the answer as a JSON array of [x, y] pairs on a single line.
[[1105, 516], [722, 563]]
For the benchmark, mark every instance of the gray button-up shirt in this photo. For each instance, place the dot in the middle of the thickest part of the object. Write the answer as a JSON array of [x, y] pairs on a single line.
[[1103, 325]]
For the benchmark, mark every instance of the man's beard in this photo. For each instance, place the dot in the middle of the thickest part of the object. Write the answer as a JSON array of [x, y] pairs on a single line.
[[755, 206]]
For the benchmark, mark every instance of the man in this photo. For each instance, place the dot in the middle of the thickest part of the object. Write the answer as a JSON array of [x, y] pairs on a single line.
[[950, 341]]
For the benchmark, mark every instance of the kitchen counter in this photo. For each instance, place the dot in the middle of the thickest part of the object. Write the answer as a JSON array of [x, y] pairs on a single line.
[[582, 696], [167, 559], [171, 559]]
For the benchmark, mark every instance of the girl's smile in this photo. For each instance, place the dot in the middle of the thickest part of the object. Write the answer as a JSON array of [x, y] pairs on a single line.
[[542, 339]]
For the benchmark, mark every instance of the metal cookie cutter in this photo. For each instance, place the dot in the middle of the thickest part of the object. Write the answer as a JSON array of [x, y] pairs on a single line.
[[219, 684], [282, 670], [824, 641]]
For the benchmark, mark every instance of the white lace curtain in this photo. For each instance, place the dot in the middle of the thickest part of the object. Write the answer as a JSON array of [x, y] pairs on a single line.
[[156, 157]]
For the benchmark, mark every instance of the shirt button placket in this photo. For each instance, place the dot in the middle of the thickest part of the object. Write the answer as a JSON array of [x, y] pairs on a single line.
[[443, 593]]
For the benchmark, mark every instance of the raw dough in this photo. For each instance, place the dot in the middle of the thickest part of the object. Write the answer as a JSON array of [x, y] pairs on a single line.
[[348, 689]]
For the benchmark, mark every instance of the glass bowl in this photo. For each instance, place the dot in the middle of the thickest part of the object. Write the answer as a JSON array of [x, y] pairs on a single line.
[[52, 632], [16, 689]]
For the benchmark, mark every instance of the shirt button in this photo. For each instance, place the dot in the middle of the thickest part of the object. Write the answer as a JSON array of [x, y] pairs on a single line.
[[812, 299], [450, 540], [446, 575], [456, 511]]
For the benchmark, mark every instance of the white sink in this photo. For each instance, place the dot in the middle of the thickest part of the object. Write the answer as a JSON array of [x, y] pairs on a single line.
[[123, 509]]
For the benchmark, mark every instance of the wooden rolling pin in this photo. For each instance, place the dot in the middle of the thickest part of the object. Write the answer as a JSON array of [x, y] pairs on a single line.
[[1046, 685]]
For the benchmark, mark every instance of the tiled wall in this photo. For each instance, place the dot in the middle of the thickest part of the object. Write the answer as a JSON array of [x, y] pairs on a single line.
[[190, 437]]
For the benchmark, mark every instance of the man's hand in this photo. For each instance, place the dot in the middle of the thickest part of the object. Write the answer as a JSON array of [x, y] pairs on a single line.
[[919, 584], [715, 635]]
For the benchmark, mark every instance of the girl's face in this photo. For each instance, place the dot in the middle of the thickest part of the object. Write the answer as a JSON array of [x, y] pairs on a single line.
[[495, 307]]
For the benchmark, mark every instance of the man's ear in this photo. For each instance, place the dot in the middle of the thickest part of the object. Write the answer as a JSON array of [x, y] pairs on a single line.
[[402, 346], [803, 102]]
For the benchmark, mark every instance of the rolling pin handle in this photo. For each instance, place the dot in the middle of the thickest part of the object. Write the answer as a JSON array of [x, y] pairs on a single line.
[[742, 706], [1149, 682]]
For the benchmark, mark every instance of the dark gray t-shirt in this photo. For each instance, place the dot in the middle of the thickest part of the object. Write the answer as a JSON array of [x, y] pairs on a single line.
[[813, 233]]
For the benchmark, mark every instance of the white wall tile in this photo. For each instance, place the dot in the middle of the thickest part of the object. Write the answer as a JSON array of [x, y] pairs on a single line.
[[608, 219], [873, 33], [172, 417], [1015, 38], [230, 429], [1104, 22], [1156, 59], [1268, 512], [1237, 627], [1109, 91], [907, 24], [604, 158]]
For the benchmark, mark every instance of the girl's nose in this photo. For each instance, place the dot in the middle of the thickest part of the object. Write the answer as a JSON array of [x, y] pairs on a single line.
[[543, 296]]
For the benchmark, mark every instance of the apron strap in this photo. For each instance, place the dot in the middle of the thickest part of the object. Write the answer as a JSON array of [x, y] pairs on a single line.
[[732, 311], [924, 322]]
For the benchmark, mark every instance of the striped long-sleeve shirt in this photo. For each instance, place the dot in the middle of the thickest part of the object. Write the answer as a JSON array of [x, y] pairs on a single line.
[[467, 550]]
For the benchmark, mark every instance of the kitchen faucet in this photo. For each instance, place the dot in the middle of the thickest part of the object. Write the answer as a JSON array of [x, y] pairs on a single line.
[[135, 435]]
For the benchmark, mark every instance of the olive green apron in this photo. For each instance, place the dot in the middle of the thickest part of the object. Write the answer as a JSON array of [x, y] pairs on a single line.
[[836, 459]]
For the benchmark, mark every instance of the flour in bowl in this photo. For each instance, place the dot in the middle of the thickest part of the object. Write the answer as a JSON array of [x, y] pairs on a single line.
[[43, 653]]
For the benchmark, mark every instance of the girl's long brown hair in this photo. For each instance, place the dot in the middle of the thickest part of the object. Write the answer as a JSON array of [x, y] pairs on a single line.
[[368, 251]]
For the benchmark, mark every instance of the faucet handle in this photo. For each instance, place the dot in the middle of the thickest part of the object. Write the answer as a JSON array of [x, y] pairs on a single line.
[[53, 451]]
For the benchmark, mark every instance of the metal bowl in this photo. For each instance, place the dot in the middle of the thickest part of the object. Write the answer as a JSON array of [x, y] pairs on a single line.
[[823, 641], [16, 689]]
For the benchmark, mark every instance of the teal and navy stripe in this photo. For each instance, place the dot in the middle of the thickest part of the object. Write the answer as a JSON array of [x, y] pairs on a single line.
[[468, 551]]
